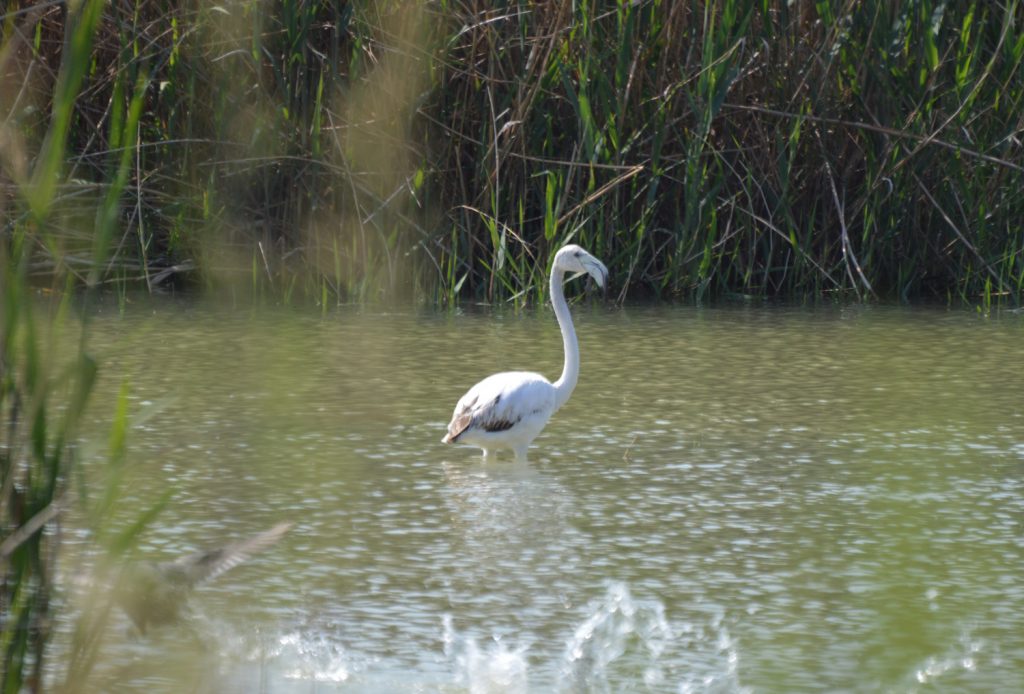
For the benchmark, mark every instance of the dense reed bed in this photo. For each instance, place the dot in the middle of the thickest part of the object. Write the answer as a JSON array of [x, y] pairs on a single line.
[[352, 151]]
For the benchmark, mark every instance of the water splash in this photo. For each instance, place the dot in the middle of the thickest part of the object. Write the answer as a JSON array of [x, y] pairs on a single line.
[[716, 667], [310, 658], [620, 631], [959, 660], [495, 668]]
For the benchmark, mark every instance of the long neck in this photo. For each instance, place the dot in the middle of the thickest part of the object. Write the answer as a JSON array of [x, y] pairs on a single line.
[[571, 371]]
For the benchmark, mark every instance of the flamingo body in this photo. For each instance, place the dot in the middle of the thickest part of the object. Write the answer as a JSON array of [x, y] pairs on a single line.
[[508, 410]]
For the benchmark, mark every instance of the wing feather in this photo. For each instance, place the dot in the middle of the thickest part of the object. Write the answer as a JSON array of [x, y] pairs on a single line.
[[500, 402], [205, 566]]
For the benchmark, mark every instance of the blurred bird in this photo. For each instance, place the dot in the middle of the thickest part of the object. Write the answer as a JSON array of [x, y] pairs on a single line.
[[153, 594]]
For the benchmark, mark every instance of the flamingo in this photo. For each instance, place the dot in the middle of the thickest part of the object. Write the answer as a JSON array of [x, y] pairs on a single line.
[[508, 410]]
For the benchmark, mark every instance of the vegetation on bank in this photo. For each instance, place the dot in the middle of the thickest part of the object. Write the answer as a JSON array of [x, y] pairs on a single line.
[[346, 151]]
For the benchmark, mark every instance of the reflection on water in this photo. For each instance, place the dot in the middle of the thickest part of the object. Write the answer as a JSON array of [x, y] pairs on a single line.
[[733, 500]]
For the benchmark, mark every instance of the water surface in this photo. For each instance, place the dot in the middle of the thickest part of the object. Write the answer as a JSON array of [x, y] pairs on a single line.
[[764, 500]]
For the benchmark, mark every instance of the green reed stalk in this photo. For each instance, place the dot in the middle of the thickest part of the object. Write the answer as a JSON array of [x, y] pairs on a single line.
[[41, 399]]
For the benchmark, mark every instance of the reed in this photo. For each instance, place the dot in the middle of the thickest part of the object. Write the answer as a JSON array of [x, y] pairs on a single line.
[[44, 393], [440, 150]]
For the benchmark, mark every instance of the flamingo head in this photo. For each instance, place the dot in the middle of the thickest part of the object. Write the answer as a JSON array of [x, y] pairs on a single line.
[[572, 258]]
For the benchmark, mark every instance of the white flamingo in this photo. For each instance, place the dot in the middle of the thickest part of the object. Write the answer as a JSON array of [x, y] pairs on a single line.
[[508, 410]]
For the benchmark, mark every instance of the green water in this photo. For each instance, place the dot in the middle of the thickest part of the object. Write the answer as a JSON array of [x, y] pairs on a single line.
[[765, 500]]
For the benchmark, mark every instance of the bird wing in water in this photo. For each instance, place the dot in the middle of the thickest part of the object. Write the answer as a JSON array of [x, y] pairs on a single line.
[[205, 566], [152, 593]]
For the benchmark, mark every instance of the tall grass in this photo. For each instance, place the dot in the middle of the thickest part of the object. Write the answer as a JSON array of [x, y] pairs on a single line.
[[863, 148], [394, 149], [44, 394]]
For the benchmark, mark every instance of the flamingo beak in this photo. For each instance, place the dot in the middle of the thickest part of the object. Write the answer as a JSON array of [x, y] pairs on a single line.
[[593, 267], [598, 271]]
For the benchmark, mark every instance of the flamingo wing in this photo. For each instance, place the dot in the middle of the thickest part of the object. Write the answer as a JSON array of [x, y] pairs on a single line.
[[500, 402]]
